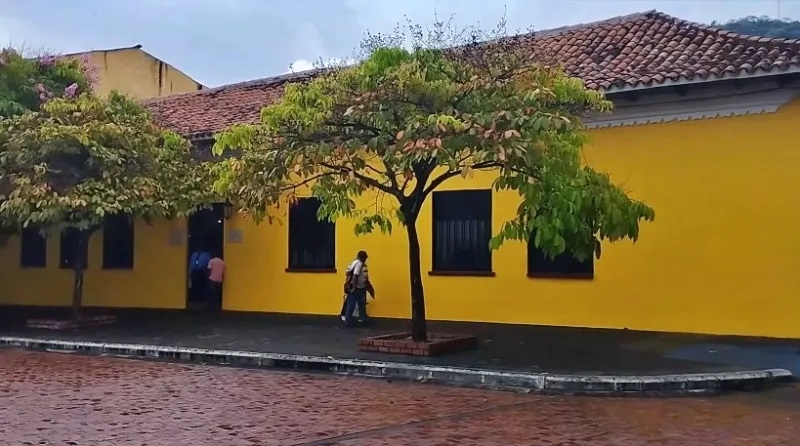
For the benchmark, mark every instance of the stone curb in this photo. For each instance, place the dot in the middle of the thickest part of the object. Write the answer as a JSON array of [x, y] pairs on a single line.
[[678, 384]]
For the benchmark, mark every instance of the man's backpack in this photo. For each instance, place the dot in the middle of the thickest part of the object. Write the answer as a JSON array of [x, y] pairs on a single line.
[[348, 282]]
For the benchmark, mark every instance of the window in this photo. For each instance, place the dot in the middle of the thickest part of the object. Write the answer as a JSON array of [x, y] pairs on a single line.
[[563, 265], [462, 228], [118, 242], [70, 247], [312, 243], [33, 248]]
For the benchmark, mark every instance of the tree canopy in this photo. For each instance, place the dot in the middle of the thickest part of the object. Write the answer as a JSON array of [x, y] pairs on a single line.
[[77, 161], [763, 26], [402, 122], [26, 83]]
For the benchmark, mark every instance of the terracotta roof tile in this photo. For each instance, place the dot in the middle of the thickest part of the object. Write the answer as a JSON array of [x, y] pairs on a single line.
[[214, 109], [635, 51]]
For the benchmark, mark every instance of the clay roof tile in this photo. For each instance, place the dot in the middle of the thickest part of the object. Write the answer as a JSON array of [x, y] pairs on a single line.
[[635, 51]]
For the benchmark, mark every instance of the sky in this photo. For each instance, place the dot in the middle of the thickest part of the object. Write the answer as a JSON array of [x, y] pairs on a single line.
[[221, 42]]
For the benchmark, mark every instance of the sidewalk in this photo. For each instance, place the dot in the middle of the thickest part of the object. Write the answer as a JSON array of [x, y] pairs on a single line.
[[506, 348]]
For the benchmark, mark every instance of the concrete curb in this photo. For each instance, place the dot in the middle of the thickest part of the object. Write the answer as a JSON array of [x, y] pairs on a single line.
[[679, 384]]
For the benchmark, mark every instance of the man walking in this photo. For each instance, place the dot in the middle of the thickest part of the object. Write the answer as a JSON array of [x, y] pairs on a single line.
[[356, 288]]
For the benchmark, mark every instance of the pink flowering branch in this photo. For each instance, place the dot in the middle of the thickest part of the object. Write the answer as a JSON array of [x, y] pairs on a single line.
[[90, 70], [71, 90]]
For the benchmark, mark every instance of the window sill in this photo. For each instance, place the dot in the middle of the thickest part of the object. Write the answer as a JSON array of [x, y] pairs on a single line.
[[462, 273], [311, 270], [562, 276]]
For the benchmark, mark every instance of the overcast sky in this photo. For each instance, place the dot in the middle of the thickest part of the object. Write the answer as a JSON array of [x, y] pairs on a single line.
[[225, 41]]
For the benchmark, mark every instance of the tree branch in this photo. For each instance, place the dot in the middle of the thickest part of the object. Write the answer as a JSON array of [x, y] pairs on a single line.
[[452, 173], [405, 183], [389, 172], [392, 175], [369, 181], [358, 125], [304, 182]]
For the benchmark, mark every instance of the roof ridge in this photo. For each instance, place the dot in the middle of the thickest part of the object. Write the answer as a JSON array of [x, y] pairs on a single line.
[[723, 31], [653, 13], [261, 82], [550, 32], [299, 75], [610, 21], [604, 54], [138, 46]]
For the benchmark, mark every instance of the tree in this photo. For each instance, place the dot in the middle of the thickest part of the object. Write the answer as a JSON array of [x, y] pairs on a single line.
[[403, 122], [30, 78], [26, 83], [763, 26], [78, 161]]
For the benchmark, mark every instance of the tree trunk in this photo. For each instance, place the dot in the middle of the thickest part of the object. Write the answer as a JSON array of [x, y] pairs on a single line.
[[77, 292], [419, 329], [79, 266]]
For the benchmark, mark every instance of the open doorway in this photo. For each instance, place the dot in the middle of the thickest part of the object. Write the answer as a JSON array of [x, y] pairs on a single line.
[[205, 233]]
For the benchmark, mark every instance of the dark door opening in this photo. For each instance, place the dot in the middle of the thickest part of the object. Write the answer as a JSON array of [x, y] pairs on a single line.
[[205, 232]]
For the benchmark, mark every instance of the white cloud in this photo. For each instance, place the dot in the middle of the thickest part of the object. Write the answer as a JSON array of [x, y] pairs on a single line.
[[300, 65], [304, 64]]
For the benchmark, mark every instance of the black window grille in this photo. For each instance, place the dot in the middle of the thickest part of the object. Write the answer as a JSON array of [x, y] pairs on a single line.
[[312, 243], [118, 242], [70, 247], [462, 229], [564, 265], [33, 248]]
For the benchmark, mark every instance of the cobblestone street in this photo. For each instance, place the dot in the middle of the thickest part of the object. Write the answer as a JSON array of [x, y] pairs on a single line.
[[59, 399]]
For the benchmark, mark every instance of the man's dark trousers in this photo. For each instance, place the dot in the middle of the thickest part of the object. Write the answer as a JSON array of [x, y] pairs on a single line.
[[356, 297]]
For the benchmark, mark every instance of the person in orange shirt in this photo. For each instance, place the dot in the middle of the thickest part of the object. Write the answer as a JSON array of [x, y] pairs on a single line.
[[216, 274]]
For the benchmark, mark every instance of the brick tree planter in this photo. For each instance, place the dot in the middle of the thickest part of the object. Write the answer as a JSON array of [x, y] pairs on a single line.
[[401, 343], [69, 324]]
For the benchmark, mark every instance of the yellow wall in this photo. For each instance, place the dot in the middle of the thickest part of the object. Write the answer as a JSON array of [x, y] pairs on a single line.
[[158, 279], [138, 74], [160, 269], [721, 258]]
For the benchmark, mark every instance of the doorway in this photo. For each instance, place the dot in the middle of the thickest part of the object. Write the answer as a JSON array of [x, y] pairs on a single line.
[[206, 231]]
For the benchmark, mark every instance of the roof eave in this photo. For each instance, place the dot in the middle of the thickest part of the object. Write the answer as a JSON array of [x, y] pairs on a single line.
[[138, 46], [723, 77], [759, 73], [199, 136]]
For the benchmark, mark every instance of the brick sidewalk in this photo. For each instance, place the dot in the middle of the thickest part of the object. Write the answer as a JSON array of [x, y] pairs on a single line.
[[65, 399], [502, 347]]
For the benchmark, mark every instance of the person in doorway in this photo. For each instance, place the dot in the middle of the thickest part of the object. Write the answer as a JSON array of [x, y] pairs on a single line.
[[216, 273], [356, 288], [198, 274]]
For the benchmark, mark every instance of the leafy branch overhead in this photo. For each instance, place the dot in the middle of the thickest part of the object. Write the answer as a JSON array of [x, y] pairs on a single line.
[[401, 123], [78, 160], [26, 83]]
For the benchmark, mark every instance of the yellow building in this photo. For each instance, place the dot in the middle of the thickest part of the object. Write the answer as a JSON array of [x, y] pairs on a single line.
[[704, 131], [137, 73]]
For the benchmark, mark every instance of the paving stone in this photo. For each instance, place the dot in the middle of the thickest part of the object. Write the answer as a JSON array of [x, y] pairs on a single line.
[[49, 398]]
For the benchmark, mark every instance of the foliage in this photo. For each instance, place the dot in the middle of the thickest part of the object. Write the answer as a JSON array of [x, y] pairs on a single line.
[[26, 83], [76, 161], [402, 122], [763, 26]]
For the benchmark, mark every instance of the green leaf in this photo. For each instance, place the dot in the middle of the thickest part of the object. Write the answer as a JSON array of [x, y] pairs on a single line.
[[354, 133]]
